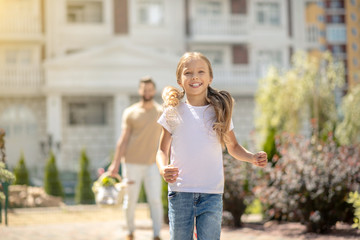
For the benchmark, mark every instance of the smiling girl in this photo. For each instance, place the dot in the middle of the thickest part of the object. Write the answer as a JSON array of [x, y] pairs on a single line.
[[195, 132]]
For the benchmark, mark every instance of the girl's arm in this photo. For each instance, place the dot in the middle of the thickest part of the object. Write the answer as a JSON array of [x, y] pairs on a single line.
[[240, 153], [169, 173]]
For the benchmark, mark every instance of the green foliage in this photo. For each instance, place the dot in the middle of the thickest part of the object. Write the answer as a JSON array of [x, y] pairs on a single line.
[[270, 145], [165, 202], [108, 181], [310, 182], [142, 194], [21, 172], [348, 132], [303, 93], [52, 184], [354, 199], [240, 179], [255, 207], [84, 193], [5, 176]]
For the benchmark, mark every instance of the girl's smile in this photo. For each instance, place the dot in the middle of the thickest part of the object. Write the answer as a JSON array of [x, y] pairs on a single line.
[[195, 85]]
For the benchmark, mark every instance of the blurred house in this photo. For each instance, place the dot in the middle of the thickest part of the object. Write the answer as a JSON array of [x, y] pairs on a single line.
[[68, 68]]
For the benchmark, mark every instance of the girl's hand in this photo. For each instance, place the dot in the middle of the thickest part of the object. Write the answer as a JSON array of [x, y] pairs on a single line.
[[170, 173], [260, 159]]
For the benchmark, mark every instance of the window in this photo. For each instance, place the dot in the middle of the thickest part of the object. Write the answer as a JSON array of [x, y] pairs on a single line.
[[353, 31], [354, 46], [268, 13], [151, 13], [80, 11], [355, 62], [18, 121], [353, 16], [336, 34], [338, 49], [18, 57], [267, 58], [87, 113], [209, 8], [215, 56], [336, 4], [240, 54], [356, 77], [336, 19]]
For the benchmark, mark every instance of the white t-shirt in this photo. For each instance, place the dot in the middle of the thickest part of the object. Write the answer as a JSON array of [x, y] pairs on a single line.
[[195, 149]]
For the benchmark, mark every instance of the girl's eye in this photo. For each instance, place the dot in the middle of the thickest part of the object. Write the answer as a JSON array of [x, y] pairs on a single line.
[[201, 71], [187, 73]]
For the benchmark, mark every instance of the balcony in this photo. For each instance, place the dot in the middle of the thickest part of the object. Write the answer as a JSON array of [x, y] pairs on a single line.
[[236, 79], [312, 34], [21, 79], [20, 19], [215, 26]]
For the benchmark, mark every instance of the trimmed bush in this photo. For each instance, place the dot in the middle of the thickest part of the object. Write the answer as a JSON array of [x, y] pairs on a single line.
[[240, 179], [21, 172], [52, 184], [84, 193], [311, 182]]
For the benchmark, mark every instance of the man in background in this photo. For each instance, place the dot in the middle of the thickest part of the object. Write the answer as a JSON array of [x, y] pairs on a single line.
[[136, 149]]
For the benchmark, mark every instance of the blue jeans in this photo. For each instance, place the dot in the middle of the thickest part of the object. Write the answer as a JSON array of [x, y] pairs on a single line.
[[202, 208]]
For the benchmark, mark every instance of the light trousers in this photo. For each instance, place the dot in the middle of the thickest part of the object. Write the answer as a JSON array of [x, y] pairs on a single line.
[[149, 174]]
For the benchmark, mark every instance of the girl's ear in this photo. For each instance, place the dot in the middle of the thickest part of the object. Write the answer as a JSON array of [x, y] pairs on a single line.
[[180, 85]]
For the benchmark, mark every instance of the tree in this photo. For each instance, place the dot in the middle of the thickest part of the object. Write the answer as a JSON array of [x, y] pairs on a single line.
[[348, 132], [21, 172], [52, 184], [84, 193], [303, 94]]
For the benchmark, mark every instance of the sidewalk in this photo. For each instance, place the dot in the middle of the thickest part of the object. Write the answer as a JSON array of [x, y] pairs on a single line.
[[95, 223]]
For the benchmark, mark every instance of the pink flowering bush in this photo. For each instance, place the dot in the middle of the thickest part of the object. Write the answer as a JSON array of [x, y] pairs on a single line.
[[240, 179], [311, 181]]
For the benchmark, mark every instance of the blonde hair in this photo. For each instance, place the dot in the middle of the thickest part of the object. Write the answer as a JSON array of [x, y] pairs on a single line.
[[220, 100]]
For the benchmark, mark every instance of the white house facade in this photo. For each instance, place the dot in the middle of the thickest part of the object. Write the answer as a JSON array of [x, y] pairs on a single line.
[[68, 68]]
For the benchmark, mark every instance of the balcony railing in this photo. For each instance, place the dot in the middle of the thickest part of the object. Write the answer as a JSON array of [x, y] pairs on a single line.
[[312, 34], [21, 77], [10, 25], [242, 79], [20, 17], [219, 25]]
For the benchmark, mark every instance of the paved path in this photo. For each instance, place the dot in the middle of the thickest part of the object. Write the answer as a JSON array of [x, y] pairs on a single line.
[[47, 224], [103, 231]]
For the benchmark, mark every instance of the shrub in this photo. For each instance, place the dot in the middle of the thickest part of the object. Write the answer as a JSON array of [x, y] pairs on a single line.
[[311, 181], [52, 184], [354, 199], [21, 172], [5, 177], [240, 179], [84, 193]]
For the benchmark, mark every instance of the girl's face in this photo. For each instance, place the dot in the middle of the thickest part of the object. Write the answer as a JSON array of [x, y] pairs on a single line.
[[195, 77]]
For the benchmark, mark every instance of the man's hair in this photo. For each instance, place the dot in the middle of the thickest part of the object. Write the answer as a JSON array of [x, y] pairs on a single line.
[[147, 80]]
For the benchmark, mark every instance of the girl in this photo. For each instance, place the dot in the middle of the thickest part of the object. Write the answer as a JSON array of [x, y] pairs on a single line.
[[196, 130]]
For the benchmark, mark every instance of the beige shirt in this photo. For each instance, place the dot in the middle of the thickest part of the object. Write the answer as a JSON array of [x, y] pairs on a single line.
[[144, 133]]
